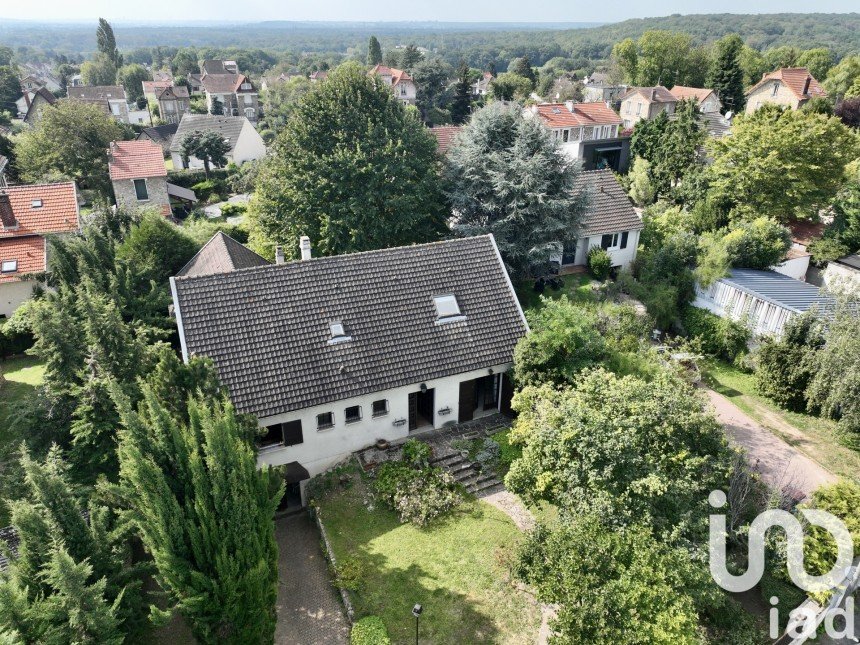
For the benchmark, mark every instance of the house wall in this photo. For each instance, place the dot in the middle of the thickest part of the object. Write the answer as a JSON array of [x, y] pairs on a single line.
[[795, 268], [840, 278], [14, 294], [725, 300], [711, 104], [637, 108], [620, 257], [321, 449], [250, 145], [126, 197], [171, 110], [119, 110], [410, 92], [138, 116], [764, 94]]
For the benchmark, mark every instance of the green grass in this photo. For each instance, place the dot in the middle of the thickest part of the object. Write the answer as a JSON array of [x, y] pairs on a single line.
[[577, 288], [455, 568], [818, 438], [23, 374]]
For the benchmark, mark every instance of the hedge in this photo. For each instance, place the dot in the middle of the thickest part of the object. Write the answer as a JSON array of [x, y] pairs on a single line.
[[721, 337], [370, 630], [187, 178]]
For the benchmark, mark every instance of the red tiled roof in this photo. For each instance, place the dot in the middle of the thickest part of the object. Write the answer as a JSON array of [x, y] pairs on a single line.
[[557, 115], [396, 75], [803, 231], [28, 251], [57, 214], [656, 94], [136, 159], [156, 87], [794, 79], [445, 135], [682, 92]]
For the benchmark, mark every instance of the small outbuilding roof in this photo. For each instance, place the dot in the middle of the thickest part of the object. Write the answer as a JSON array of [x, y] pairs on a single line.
[[778, 289], [229, 127], [135, 160], [852, 261], [222, 254], [445, 136]]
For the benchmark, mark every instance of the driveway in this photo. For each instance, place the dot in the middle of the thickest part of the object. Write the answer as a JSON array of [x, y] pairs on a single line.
[[779, 463], [309, 611]]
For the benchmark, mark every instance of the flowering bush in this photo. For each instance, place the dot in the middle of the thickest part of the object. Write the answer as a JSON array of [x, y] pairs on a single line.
[[426, 497], [416, 453]]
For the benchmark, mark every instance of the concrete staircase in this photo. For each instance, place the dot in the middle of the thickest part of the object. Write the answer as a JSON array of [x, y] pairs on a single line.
[[469, 474]]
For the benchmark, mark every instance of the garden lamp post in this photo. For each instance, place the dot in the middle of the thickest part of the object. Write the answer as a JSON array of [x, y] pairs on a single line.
[[416, 611]]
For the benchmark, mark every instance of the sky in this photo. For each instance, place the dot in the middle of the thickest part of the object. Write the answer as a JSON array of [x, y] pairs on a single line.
[[398, 10]]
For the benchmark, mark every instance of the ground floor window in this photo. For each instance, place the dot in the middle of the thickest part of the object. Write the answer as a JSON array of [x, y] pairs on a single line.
[[325, 420], [353, 414], [380, 408], [140, 189]]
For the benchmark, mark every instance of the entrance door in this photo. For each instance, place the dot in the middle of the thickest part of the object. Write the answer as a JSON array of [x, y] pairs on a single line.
[[421, 406], [568, 255], [466, 405]]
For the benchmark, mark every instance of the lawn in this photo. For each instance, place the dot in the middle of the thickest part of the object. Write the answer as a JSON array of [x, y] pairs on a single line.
[[455, 568], [22, 375], [577, 288], [816, 437]]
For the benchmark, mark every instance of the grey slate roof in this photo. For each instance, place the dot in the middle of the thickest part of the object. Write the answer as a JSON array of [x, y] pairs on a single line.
[[160, 133], [96, 93], [221, 254], [228, 127], [852, 261], [267, 328], [611, 211], [779, 289]]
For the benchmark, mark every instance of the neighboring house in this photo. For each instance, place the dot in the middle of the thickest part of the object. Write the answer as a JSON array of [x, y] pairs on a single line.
[[611, 223], [764, 300], [789, 86], [221, 254], [587, 131], [318, 76], [4, 163], [796, 263], [843, 275], [482, 86], [715, 124], [151, 89], [173, 103], [645, 103], [706, 100], [111, 98], [333, 354], [267, 82], [445, 137], [598, 87], [27, 214], [161, 76], [37, 102], [195, 83], [33, 82], [139, 176], [235, 93], [245, 142], [215, 66], [161, 135], [401, 83]]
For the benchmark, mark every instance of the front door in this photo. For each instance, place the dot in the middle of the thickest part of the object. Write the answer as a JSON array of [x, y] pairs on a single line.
[[466, 404], [568, 255], [421, 409]]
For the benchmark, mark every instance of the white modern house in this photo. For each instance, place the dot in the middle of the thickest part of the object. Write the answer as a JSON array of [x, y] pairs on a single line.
[[245, 142], [611, 223], [332, 354], [843, 275], [402, 85], [765, 300]]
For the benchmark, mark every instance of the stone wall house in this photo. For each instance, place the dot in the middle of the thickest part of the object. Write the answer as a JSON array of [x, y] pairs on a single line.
[[139, 176], [645, 103], [792, 87], [173, 103], [332, 354], [37, 102]]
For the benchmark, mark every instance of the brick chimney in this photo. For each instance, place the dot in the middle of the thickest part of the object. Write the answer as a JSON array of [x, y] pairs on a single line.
[[653, 93], [305, 246], [806, 85], [7, 216]]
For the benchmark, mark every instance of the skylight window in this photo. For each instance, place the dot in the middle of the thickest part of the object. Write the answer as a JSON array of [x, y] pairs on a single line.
[[338, 333], [447, 309], [36, 203], [9, 266]]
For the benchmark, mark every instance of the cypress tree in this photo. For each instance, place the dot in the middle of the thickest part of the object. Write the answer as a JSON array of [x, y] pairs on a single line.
[[462, 95], [725, 76], [374, 52], [106, 43]]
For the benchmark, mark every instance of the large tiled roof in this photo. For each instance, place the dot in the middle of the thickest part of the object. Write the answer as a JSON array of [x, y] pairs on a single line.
[[445, 135], [222, 254], [794, 78], [222, 83], [173, 92], [267, 329], [656, 94], [610, 210], [682, 92], [28, 251], [557, 115], [778, 289], [160, 132], [57, 214], [135, 160], [96, 93], [155, 87], [396, 75], [228, 127]]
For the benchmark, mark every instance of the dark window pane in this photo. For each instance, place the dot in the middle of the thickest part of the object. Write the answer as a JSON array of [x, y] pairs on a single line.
[[273, 436], [380, 408], [325, 420], [624, 240], [292, 433], [353, 414], [140, 189], [606, 241]]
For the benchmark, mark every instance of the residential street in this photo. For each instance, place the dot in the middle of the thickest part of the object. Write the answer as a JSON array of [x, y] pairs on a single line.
[[778, 462]]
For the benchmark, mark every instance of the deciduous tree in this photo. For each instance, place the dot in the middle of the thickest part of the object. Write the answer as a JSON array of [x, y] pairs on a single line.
[[131, 77], [209, 147]]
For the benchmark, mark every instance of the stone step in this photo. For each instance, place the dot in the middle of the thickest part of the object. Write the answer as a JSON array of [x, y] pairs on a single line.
[[444, 460], [462, 471], [488, 487], [478, 480]]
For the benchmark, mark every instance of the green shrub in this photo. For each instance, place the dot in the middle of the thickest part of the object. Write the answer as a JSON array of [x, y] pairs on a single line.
[[599, 263], [209, 188], [507, 452], [370, 630], [187, 178], [721, 337], [416, 453], [417, 496], [349, 573], [389, 477], [230, 210]]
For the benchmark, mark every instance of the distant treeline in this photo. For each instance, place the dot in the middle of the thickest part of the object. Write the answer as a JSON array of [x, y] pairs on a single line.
[[479, 45]]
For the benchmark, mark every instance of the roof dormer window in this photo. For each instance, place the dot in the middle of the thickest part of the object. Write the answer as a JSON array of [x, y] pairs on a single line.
[[338, 333], [36, 203], [447, 309]]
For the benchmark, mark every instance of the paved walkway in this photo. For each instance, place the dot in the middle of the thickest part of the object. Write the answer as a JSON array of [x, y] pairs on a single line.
[[309, 611], [779, 463]]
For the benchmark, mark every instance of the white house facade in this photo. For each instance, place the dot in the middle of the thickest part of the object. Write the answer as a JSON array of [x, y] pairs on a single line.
[[245, 142], [333, 354], [843, 275]]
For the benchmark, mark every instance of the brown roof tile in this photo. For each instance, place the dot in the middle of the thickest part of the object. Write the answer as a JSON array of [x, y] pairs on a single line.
[[58, 212], [135, 160]]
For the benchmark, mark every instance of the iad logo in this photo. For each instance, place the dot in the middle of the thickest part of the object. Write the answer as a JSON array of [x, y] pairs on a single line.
[[796, 570]]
